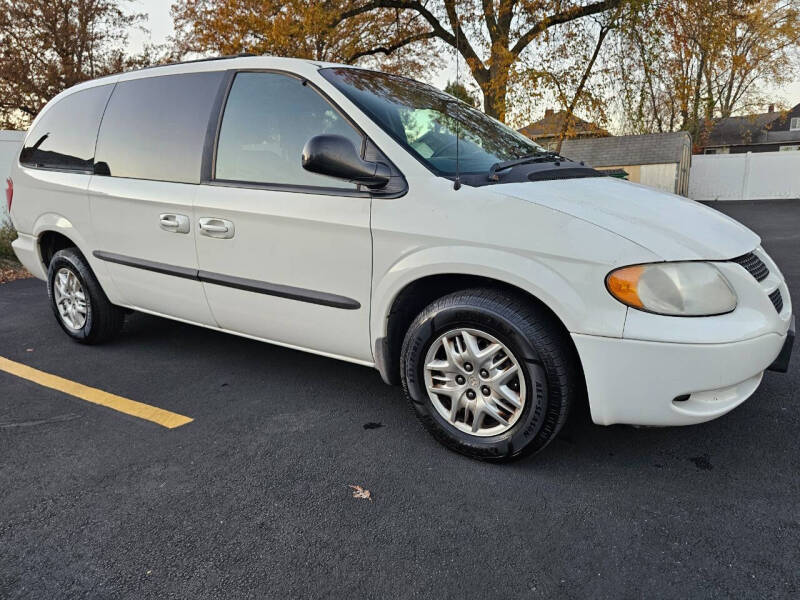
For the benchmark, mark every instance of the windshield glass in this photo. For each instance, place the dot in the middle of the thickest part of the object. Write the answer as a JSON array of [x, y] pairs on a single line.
[[425, 121]]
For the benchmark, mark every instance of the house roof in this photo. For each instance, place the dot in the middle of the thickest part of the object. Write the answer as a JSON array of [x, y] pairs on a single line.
[[749, 129], [626, 150], [553, 122], [733, 131]]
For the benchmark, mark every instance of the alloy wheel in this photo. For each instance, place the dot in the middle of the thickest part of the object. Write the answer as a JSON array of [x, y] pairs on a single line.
[[70, 299], [475, 382]]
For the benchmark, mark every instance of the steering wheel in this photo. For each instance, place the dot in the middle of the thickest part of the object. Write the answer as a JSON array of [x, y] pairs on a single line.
[[444, 150]]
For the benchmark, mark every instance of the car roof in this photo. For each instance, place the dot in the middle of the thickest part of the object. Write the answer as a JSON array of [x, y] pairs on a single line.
[[299, 66]]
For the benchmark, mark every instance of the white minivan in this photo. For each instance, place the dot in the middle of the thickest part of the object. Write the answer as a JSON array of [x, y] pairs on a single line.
[[374, 219]]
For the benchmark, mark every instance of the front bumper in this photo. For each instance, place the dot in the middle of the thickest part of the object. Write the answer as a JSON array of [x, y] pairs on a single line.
[[781, 364], [647, 383]]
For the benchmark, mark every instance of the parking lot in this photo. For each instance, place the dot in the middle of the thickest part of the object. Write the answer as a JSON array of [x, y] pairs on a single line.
[[252, 499]]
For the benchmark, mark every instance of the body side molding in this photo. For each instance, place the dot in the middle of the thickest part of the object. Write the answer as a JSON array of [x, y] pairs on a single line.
[[147, 265], [282, 291], [249, 285]]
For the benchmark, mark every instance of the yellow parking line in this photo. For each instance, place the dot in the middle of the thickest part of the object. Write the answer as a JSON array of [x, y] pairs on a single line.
[[157, 415]]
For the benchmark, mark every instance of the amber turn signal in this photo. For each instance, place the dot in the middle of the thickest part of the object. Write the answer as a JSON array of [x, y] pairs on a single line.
[[623, 285]]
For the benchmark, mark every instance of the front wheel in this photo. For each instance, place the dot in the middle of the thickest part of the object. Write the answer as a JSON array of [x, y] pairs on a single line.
[[489, 374]]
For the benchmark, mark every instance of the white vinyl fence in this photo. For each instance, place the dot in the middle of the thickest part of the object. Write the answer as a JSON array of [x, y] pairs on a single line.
[[751, 176], [10, 144]]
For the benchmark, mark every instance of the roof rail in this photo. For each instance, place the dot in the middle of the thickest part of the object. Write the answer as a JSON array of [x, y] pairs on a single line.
[[182, 62], [197, 60]]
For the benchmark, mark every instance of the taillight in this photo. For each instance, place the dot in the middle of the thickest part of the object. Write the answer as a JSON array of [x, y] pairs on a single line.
[[9, 193]]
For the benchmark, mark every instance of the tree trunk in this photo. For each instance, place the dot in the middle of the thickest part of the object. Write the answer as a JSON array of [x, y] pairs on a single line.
[[568, 118], [694, 125], [494, 99]]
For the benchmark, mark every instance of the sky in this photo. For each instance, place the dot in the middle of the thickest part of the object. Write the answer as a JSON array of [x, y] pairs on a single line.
[[160, 26], [159, 22]]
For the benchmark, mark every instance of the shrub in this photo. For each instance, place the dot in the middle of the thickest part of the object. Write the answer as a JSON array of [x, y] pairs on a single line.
[[7, 235]]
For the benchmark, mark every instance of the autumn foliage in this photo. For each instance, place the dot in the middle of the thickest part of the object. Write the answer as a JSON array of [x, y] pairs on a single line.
[[297, 28], [648, 65], [706, 59], [400, 32], [47, 46]]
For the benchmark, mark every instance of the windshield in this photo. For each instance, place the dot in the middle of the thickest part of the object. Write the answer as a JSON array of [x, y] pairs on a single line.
[[425, 121]]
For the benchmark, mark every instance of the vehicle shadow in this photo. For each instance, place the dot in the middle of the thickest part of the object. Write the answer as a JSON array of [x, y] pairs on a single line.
[[732, 444]]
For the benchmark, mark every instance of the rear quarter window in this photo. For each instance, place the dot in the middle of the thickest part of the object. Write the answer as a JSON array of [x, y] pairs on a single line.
[[155, 128], [64, 138]]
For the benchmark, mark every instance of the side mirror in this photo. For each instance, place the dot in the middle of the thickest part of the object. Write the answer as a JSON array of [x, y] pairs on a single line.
[[335, 156]]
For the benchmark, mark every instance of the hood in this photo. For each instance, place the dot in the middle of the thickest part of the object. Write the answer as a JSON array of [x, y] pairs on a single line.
[[670, 226]]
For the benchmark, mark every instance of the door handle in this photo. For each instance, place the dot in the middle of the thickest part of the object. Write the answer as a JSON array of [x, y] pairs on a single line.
[[174, 223], [217, 228]]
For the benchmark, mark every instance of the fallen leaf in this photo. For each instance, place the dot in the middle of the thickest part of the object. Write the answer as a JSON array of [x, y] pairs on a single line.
[[359, 492], [11, 271]]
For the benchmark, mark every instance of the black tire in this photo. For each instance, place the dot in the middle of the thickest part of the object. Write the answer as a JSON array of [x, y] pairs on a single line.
[[542, 349], [104, 321]]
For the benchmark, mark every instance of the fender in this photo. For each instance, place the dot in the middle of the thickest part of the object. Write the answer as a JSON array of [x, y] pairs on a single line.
[[547, 278], [60, 224]]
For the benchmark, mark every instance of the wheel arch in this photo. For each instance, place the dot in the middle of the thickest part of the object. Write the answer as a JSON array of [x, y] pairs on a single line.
[[50, 242], [416, 294], [54, 232]]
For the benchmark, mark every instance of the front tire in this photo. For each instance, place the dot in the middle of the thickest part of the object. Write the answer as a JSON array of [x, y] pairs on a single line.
[[80, 305], [489, 374]]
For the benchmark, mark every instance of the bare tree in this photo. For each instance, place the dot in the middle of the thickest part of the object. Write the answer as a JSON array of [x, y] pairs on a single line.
[[706, 59], [491, 35], [512, 26]]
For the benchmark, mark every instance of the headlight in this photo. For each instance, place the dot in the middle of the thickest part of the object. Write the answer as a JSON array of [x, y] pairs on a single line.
[[682, 289]]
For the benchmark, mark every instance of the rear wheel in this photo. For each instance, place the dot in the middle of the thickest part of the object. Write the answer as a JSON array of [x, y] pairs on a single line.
[[81, 307], [490, 375]]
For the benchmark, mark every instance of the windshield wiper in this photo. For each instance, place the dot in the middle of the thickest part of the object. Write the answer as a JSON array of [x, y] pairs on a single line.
[[524, 160]]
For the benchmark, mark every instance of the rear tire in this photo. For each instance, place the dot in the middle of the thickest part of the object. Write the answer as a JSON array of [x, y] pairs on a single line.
[[79, 304], [516, 397]]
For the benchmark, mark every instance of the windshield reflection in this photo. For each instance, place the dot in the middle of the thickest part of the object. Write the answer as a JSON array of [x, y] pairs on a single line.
[[425, 121]]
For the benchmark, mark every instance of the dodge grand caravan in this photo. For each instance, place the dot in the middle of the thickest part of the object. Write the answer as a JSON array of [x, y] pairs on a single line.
[[374, 219]]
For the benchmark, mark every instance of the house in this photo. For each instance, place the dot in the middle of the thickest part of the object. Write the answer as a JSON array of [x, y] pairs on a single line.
[[772, 131], [546, 131], [659, 160], [10, 145]]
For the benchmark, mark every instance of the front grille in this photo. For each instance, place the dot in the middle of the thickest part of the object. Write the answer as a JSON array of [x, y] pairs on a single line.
[[754, 265], [777, 300]]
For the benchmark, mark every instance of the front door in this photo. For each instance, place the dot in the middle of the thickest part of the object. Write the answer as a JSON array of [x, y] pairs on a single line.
[[284, 254]]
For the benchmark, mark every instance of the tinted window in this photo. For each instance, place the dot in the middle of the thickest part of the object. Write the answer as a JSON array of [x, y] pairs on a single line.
[[155, 128], [268, 119], [65, 136]]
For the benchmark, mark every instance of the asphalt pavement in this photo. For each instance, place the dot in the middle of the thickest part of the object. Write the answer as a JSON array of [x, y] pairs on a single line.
[[252, 498]]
